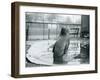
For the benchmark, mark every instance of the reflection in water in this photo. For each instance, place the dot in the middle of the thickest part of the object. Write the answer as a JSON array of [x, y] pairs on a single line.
[[77, 53]]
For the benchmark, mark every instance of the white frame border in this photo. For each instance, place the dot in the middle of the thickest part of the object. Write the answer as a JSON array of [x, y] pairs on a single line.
[[38, 70]]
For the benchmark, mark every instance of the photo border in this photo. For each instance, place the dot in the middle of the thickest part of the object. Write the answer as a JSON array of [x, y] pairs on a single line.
[[15, 39]]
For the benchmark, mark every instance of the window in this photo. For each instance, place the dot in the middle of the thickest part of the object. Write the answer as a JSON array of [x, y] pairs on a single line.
[[43, 26]]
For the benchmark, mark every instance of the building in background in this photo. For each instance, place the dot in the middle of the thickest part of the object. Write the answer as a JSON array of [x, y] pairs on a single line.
[[46, 27]]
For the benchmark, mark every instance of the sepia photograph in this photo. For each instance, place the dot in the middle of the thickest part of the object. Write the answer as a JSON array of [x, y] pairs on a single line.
[[56, 39]]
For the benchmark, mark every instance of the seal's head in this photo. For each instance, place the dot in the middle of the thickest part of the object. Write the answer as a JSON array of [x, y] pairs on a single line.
[[64, 32]]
